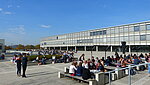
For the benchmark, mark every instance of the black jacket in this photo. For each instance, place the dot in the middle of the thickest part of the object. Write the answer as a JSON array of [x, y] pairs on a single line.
[[86, 74], [24, 60]]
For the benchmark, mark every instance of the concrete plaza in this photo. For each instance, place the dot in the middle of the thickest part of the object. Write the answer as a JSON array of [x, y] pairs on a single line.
[[47, 75]]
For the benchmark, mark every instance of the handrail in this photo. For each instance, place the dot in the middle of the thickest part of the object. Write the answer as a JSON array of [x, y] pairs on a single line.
[[118, 68], [129, 67]]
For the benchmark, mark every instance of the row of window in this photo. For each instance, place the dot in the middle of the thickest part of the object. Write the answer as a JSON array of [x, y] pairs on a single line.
[[137, 28], [85, 41], [98, 33], [98, 40], [103, 32]]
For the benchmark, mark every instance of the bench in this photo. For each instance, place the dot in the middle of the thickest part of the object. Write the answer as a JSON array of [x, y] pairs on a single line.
[[77, 78]]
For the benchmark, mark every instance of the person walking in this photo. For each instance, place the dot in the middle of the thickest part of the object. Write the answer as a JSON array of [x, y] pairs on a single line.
[[18, 61], [24, 65]]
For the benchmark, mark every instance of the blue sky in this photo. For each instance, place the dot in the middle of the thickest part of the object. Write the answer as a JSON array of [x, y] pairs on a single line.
[[27, 21]]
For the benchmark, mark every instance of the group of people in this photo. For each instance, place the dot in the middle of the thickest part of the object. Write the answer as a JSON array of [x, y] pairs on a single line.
[[2, 57], [21, 62], [83, 66]]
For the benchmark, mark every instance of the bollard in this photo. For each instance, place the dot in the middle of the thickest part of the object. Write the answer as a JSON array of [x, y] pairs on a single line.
[[66, 70], [119, 73], [114, 76], [60, 75], [126, 71], [138, 68], [100, 78]]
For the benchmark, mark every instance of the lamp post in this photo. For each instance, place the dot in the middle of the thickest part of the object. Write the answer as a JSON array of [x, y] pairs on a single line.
[[106, 51], [92, 48]]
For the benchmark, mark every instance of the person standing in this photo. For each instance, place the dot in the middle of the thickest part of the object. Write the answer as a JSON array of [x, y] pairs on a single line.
[[18, 61], [148, 60], [24, 65]]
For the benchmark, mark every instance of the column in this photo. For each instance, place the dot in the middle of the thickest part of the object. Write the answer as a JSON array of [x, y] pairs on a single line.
[[84, 48], [111, 49], [75, 49], [96, 48], [129, 48], [60, 48], [67, 48]]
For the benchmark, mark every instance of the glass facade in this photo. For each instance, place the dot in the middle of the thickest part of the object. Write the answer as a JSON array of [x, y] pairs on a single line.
[[133, 34], [142, 37], [148, 27], [136, 28]]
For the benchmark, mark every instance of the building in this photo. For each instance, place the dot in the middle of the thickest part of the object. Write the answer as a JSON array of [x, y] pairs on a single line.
[[136, 36], [2, 45]]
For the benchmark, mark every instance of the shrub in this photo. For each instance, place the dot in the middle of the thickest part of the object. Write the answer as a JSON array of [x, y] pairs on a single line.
[[33, 57]]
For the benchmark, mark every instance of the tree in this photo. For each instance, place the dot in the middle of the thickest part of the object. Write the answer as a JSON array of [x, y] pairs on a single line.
[[20, 47], [37, 46], [29, 47], [8, 47]]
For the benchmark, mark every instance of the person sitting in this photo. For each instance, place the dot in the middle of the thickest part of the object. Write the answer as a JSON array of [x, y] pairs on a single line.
[[79, 69], [86, 74], [108, 61], [85, 64], [136, 61], [72, 69], [43, 61], [100, 66]]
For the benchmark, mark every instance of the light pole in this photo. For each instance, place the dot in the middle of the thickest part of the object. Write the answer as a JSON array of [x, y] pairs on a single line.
[[92, 50], [106, 51]]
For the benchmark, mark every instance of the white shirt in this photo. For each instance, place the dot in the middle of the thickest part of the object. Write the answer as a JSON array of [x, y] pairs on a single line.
[[72, 69]]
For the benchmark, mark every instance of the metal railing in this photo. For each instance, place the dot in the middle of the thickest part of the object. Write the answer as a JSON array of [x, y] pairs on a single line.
[[130, 66]]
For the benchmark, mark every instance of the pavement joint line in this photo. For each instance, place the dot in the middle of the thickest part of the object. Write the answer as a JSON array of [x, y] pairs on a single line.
[[34, 69], [142, 80]]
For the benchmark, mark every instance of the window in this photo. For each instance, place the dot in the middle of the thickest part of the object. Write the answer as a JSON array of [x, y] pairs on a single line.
[[85, 41], [104, 32], [91, 33], [98, 33], [148, 27], [142, 37], [136, 28]]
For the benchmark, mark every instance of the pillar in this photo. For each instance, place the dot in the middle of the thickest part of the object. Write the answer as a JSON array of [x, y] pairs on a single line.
[[129, 48], [75, 48], [111, 48], [60, 48], [84, 48], [67, 48], [96, 48]]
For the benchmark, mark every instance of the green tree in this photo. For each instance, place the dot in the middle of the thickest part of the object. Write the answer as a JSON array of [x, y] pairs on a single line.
[[37, 46], [20, 47], [8, 47], [29, 47]]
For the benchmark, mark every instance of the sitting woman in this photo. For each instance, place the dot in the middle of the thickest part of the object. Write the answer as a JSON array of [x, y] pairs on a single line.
[[72, 69], [100, 66], [79, 69]]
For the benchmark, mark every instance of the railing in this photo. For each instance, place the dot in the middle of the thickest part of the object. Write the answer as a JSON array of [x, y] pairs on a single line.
[[126, 68]]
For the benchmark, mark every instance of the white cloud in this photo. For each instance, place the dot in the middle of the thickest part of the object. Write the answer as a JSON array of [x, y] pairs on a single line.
[[45, 26], [9, 6], [1, 9], [18, 30], [7, 13]]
